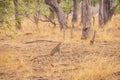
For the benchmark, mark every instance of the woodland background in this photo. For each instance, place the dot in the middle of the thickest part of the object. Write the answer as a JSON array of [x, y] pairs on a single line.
[[85, 32]]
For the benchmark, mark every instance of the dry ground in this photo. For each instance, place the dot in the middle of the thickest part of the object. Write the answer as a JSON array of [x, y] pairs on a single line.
[[26, 55]]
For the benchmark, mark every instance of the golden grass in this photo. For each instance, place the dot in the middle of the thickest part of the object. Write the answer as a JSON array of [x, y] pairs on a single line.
[[12, 62], [47, 32], [97, 68], [93, 67]]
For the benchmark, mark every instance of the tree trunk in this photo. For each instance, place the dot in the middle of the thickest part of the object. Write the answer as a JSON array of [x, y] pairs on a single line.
[[86, 18], [37, 14], [17, 14], [58, 1], [75, 15], [101, 13], [75, 11], [60, 14], [106, 11]]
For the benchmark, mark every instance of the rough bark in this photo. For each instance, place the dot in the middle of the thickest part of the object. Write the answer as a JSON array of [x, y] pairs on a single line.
[[75, 11], [101, 13], [60, 14], [86, 18], [58, 1], [17, 14], [106, 11], [75, 15]]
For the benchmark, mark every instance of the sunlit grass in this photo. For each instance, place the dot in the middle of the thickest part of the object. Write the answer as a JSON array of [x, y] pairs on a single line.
[[47, 31], [96, 68], [93, 67]]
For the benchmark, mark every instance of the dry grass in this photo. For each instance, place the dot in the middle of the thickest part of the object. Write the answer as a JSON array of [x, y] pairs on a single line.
[[79, 60], [47, 32], [96, 69]]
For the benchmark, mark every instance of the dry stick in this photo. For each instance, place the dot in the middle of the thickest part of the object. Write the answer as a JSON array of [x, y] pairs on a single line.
[[72, 30], [27, 16], [56, 49], [36, 21], [93, 38], [50, 20], [46, 20], [64, 32], [94, 34]]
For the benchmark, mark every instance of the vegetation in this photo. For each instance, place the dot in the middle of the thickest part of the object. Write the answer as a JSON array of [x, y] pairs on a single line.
[[34, 10], [59, 39]]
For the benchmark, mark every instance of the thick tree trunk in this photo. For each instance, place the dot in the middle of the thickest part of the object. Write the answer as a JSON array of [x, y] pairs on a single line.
[[58, 1], [75, 15], [101, 13], [106, 11], [17, 14], [86, 18], [75, 11], [60, 14], [54, 4]]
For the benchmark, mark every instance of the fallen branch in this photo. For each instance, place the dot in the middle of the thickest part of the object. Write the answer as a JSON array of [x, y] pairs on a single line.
[[93, 38]]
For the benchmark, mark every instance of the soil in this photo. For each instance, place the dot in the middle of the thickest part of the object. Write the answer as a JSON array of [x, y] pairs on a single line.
[[31, 60]]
